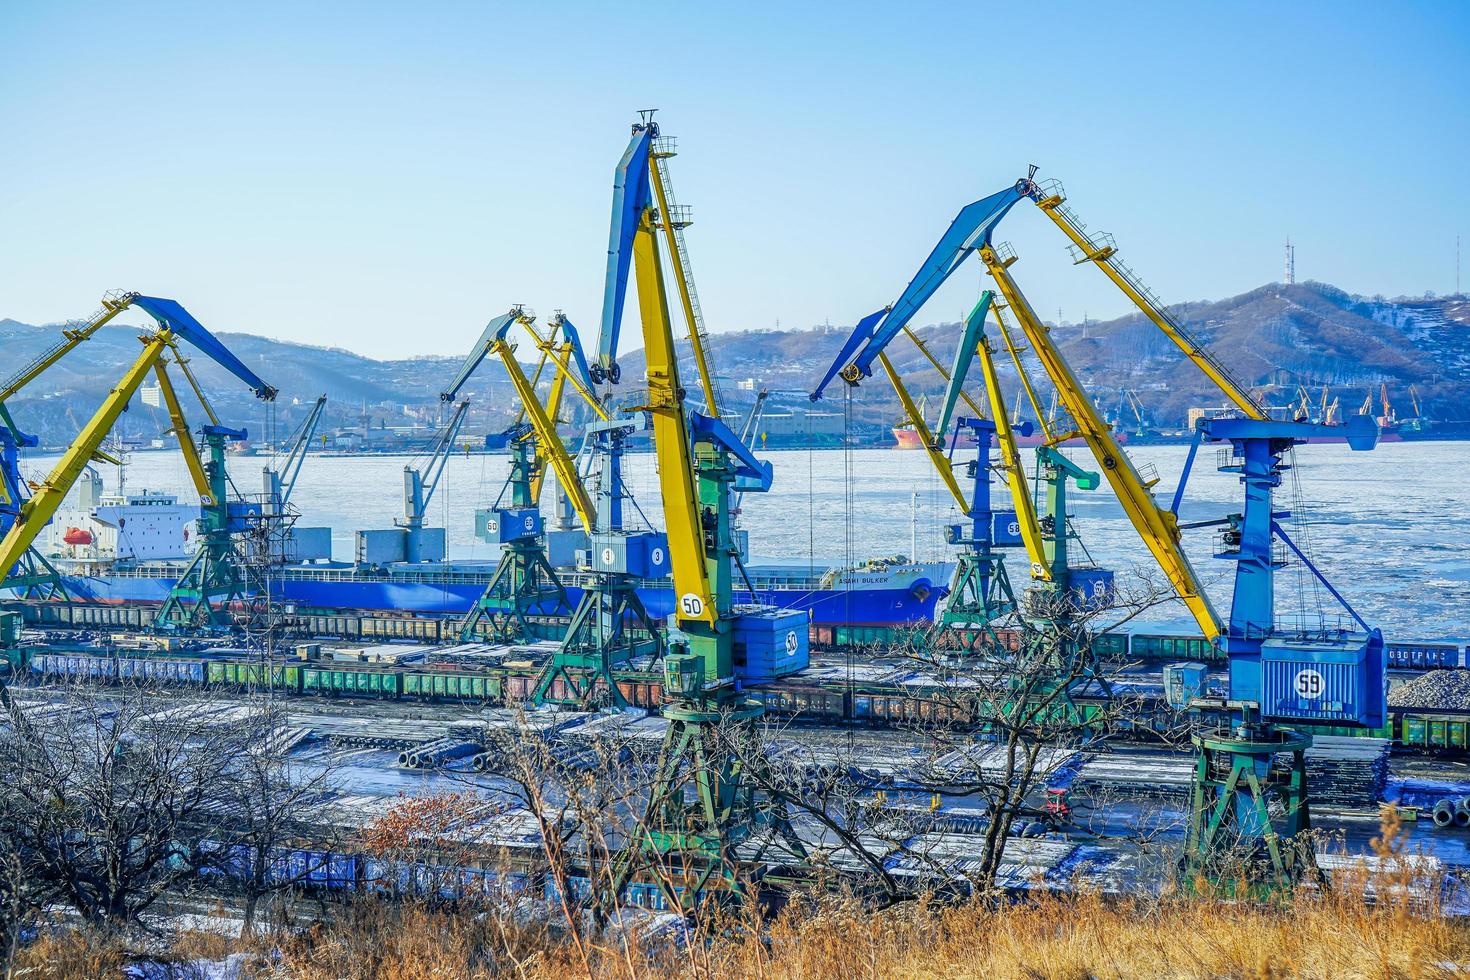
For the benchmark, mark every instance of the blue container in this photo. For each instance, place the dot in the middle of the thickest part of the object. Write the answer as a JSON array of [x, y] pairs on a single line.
[[515, 524], [1005, 529], [771, 643], [1093, 587], [644, 554], [1337, 679]]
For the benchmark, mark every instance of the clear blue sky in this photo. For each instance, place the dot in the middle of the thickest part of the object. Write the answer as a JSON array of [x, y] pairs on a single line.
[[387, 176]]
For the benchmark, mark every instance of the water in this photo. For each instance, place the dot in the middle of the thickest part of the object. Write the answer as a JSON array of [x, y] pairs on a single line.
[[1388, 527]]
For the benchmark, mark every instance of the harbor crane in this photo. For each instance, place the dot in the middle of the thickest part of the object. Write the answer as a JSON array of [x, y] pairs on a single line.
[[32, 576], [642, 179], [212, 575], [525, 584], [1243, 796], [700, 807], [609, 624]]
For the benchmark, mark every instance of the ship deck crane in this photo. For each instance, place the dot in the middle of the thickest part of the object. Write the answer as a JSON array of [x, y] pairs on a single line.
[[699, 805], [421, 479], [174, 323], [280, 478]]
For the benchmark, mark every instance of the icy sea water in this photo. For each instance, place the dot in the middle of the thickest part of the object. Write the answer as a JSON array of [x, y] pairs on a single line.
[[1391, 528]]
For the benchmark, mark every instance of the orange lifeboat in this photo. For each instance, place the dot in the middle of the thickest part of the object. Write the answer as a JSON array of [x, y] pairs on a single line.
[[76, 535]]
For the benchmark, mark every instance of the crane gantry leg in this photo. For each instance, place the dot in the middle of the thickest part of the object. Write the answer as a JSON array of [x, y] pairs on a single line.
[[524, 585]]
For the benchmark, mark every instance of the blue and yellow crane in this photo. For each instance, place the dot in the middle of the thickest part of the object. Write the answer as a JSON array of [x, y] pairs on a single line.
[[525, 584], [1247, 801], [213, 574], [31, 575], [699, 808], [609, 625]]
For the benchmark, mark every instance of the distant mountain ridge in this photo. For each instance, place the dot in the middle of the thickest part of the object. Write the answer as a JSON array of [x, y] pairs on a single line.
[[1273, 338]]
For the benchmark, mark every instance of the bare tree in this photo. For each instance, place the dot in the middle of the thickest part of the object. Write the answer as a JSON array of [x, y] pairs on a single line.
[[1002, 711], [272, 807], [114, 792]]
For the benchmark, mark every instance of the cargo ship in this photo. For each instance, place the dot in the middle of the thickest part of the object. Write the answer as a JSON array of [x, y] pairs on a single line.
[[884, 592], [132, 547]]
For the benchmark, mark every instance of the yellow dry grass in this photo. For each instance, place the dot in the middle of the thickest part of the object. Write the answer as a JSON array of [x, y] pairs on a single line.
[[1384, 923]]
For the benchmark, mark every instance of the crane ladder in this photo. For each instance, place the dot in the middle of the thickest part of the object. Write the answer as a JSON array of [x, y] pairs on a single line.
[[679, 217], [1101, 249]]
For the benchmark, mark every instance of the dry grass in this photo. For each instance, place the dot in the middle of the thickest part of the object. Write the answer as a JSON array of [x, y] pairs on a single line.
[[1055, 937], [1367, 925]]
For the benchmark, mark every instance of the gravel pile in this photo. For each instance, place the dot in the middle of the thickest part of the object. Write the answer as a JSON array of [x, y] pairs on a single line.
[[1434, 690]]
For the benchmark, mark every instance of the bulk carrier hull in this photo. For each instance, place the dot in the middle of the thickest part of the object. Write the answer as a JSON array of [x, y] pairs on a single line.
[[892, 596]]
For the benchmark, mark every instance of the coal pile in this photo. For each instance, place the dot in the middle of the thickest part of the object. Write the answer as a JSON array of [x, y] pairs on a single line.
[[1435, 690], [1344, 770]]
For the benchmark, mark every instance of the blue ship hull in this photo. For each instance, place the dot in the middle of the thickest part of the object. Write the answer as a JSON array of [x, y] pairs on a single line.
[[828, 607]]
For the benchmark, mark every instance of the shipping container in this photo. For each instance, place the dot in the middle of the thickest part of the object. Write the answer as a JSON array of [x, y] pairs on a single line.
[[1336, 679], [770, 643]]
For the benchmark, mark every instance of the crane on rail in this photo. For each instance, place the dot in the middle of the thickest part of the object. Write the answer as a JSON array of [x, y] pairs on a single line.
[[700, 806], [525, 584], [212, 575], [609, 625], [32, 576], [1243, 798]]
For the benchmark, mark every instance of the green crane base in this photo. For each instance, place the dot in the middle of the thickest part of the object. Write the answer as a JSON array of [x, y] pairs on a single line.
[[598, 638], [1248, 815], [36, 578], [201, 597], [523, 581], [703, 831], [979, 594]]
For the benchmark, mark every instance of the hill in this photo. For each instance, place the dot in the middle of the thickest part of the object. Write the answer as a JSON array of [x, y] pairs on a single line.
[[1274, 338]]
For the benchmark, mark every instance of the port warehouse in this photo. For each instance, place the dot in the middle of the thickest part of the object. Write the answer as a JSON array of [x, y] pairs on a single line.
[[877, 691]]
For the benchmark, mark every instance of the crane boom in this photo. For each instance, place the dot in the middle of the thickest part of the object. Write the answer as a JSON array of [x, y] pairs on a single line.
[[671, 440], [1015, 474], [673, 219], [1158, 528], [916, 418], [970, 228], [71, 335], [547, 439], [182, 434], [37, 512], [1101, 252]]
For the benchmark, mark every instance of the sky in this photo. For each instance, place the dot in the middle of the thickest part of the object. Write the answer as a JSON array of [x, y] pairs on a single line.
[[386, 177]]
